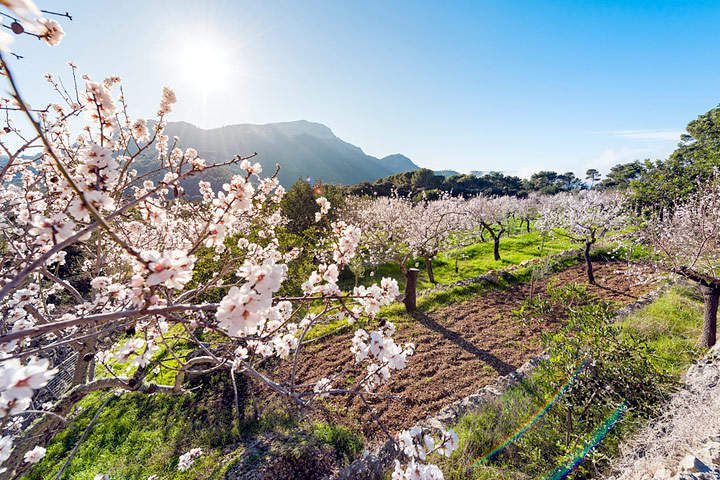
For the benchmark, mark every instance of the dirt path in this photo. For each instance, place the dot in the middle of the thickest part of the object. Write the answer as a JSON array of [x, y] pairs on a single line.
[[460, 348]]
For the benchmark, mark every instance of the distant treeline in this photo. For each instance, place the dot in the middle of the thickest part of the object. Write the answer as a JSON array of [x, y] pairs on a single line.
[[548, 182]]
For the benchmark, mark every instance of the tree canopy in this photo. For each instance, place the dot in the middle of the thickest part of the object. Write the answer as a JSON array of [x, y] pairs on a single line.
[[666, 182]]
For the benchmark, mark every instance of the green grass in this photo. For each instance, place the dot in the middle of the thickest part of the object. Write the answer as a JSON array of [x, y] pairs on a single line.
[[165, 376], [473, 260], [671, 326], [137, 435]]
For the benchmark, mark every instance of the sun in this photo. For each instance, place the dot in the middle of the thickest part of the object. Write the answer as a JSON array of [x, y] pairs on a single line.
[[205, 65]]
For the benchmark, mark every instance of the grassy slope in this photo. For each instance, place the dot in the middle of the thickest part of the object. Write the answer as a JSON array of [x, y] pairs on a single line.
[[428, 302], [474, 260], [137, 435], [671, 325]]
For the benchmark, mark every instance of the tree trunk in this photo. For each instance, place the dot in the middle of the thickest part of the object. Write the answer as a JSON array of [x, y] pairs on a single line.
[[91, 370], [428, 267], [588, 263], [711, 295], [411, 290], [496, 248], [81, 365], [527, 224]]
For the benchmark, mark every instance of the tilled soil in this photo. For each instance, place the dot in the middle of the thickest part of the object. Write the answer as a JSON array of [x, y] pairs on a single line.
[[459, 349]]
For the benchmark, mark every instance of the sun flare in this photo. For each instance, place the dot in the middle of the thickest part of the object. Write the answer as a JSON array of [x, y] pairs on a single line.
[[205, 65]]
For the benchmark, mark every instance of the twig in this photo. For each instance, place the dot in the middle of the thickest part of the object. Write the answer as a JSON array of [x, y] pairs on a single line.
[[43, 412], [66, 14], [237, 403]]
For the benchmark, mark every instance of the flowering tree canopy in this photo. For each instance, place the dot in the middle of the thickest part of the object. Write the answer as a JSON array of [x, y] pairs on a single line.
[[395, 229], [493, 215], [527, 208], [688, 241], [583, 217]]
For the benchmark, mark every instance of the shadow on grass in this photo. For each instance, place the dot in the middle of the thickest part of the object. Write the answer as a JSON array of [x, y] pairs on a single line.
[[501, 367]]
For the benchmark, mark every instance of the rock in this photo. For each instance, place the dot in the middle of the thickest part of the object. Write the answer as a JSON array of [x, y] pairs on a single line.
[[692, 464]]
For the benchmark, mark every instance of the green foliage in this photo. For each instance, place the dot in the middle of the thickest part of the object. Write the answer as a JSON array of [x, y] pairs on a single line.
[[414, 183], [671, 327], [299, 205], [621, 176], [138, 435], [666, 182], [208, 262], [592, 175], [346, 443], [299, 269], [550, 183]]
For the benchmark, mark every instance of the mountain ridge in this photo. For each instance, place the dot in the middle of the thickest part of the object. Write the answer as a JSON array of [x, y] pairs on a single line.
[[302, 148]]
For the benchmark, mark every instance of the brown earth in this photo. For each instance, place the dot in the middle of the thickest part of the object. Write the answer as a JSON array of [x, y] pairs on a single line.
[[460, 348]]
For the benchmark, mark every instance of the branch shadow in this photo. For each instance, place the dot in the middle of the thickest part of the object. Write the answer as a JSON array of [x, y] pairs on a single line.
[[501, 367]]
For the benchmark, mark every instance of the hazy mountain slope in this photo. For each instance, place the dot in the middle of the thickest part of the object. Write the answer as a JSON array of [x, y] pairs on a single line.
[[398, 163], [303, 149], [446, 173]]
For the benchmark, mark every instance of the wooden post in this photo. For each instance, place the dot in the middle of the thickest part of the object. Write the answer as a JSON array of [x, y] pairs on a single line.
[[712, 298], [411, 290]]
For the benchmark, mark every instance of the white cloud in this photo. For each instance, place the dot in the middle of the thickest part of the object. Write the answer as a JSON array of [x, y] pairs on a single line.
[[647, 135], [615, 156]]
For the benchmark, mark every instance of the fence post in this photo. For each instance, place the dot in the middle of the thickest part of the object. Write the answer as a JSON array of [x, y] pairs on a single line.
[[411, 290]]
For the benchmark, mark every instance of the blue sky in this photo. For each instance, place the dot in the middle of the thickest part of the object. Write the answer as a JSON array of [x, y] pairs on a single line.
[[507, 85]]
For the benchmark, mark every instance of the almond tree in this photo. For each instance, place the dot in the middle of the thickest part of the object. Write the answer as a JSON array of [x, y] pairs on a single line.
[[382, 221], [583, 217], [493, 215], [688, 240], [527, 208], [71, 180], [396, 230], [431, 226]]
